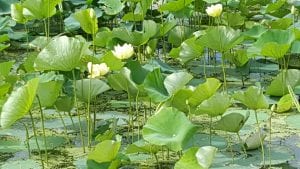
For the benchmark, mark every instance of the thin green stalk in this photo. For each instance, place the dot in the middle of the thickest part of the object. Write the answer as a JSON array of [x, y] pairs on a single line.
[[224, 75], [27, 139], [210, 131], [241, 142], [65, 128], [43, 128], [73, 124], [77, 110], [270, 139], [137, 113], [36, 140], [260, 139], [88, 117]]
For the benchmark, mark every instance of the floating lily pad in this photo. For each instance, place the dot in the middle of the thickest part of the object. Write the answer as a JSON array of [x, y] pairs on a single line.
[[52, 142], [293, 121], [9, 144]]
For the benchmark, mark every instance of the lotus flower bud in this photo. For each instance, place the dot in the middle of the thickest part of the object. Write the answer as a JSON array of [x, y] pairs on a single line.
[[293, 10]]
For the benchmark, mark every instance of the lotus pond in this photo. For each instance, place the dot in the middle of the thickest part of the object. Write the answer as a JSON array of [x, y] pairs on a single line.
[[184, 84]]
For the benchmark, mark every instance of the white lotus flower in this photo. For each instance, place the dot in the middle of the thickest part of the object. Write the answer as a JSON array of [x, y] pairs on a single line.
[[123, 52], [214, 10], [96, 70]]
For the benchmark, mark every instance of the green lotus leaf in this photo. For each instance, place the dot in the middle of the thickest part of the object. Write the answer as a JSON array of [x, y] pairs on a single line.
[[142, 146], [179, 100], [204, 91], [39, 9], [284, 104], [278, 86], [173, 6], [112, 7], [190, 49], [154, 86], [17, 13], [281, 23], [273, 7], [88, 20], [221, 38], [197, 158], [122, 81], [61, 53], [86, 88], [255, 32], [233, 19], [232, 122], [169, 127], [138, 73], [19, 103], [135, 38], [105, 151], [179, 33], [64, 103], [209, 106], [5, 67], [176, 81], [253, 98]]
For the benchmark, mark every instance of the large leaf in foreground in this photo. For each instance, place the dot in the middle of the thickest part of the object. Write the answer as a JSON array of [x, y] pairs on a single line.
[[105, 151], [18, 103], [62, 53], [253, 98], [169, 127]]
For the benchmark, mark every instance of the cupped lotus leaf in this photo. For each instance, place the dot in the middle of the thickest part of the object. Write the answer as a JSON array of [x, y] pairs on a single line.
[[112, 7], [179, 100], [88, 20], [204, 91], [209, 106], [105, 151], [86, 88], [233, 19], [4, 88], [17, 13], [278, 86], [284, 104], [111, 61], [142, 146], [166, 27], [255, 32], [154, 86], [19, 103], [253, 98], [221, 38], [150, 27], [138, 73], [135, 38], [169, 127], [173, 6], [273, 7], [5, 68], [122, 81], [179, 33], [239, 57], [281, 23], [64, 103], [103, 37], [39, 9], [190, 49], [48, 92], [273, 43], [274, 50], [197, 158], [176, 81], [232, 122], [61, 53]]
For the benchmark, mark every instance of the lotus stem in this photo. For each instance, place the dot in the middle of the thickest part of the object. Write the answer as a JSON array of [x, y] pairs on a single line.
[[43, 128], [88, 116], [27, 139], [260, 139], [36, 141], [241, 142], [210, 131], [65, 128], [77, 111], [224, 75], [270, 139]]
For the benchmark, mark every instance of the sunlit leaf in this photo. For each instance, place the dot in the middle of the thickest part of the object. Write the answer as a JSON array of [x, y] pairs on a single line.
[[19, 103], [169, 127], [88, 20]]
